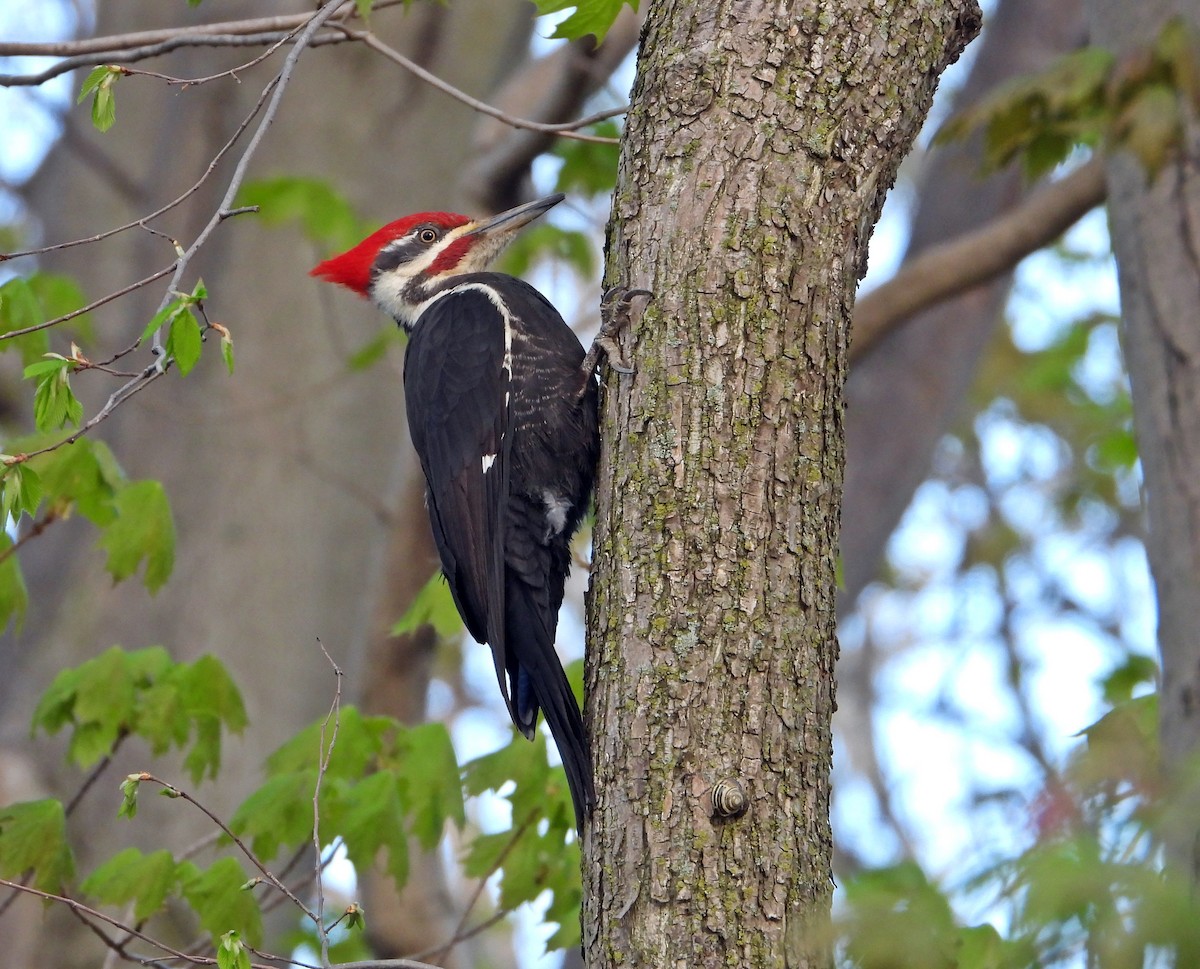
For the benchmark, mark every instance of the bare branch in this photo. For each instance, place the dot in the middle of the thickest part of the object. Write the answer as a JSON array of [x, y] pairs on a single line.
[[156, 50], [550, 89], [90, 306], [567, 130], [250, 856], [153, 43], [461, 933], [79, 908], [326, 753], [950, 268], [280, 83]]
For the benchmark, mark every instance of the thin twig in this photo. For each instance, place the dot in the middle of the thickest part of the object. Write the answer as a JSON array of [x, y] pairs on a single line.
[[79, 907], [142, 222], [135, 54], [118, 397], [174, 791], [11, 334], [326, 754], [280, 83], [567, 130], [461, 933], [28, 534]]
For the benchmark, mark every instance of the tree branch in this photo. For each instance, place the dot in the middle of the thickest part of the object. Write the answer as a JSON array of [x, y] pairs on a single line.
[[567, 130], [953, 267]]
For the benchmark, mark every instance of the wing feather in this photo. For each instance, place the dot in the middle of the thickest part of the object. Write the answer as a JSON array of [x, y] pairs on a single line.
[[455, 393]]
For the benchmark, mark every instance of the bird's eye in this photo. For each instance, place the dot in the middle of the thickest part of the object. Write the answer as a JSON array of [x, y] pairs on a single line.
[[427, 236]]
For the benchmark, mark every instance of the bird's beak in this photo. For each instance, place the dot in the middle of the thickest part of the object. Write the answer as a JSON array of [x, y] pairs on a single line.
[[506, 223]]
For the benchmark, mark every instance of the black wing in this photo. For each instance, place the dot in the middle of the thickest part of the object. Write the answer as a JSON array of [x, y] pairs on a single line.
[[455, 387], [492, 450]]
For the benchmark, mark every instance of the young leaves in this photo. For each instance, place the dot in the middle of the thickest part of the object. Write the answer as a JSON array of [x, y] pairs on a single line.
[[433, 606], [1090, 98], [143, 530], [54, 403], [147, 694], [132, 877], [99, 83], [185, 338], [33, 838], [590, 16]]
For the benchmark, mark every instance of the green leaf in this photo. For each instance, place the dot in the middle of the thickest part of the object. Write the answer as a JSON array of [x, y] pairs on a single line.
[[227, 351], [99, 84], [20, 309], [371, 820], [59, 295], [588, 168], [129, 796], [590, 16], [90, 83], [142, 530], [184, 341], [897, 917], [211, 700], [1151, 127], [33, 838], [360, 740], [532, 863], [325, 215], [54, 403], [163, 317], [1137, 670], [363, 7], [144, 880], [433, 606], [430, 782], [146, 693], [278, 814], [14, 596], [86, 475], [232, 953], [216, 896], [20, 492], [104, 108]]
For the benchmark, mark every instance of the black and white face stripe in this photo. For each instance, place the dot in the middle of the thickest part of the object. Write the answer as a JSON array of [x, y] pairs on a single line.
[[407, 249]]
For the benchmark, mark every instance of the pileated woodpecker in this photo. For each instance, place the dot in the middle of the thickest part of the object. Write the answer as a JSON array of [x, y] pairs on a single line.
[[502, 410]]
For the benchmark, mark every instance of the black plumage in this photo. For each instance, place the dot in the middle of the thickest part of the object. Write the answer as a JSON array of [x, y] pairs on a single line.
[[508, 445]]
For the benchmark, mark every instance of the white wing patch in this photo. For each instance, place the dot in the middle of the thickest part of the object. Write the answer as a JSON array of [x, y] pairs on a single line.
[[488, 461]]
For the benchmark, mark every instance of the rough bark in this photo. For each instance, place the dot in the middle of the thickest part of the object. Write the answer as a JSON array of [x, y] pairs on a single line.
[[1155, 228], [277, 475], [760, 144], [907, 392]]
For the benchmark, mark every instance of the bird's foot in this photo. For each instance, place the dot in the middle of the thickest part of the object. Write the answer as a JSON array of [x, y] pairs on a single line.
[[615, 307]]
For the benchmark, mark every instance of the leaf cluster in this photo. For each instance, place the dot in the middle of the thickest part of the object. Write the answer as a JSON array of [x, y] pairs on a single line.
[[1090, 98], [1090, 886], [144, 693], [134, 517]]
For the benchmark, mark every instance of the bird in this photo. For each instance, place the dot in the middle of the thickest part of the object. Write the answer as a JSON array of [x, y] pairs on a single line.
[[501, 401]]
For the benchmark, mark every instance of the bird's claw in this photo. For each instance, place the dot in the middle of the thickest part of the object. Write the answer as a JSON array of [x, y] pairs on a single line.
[[615, 305]]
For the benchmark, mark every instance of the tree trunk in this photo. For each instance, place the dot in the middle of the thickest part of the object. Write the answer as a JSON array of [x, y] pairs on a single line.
[[759, 147], [1155, 224]]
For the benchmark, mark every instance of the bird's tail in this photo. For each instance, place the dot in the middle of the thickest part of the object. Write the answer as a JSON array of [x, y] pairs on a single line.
[[538, 681]]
